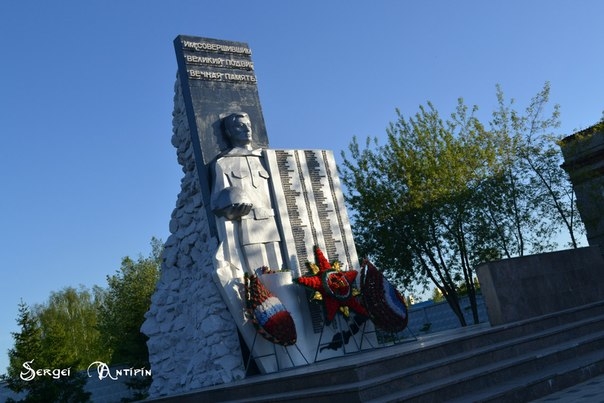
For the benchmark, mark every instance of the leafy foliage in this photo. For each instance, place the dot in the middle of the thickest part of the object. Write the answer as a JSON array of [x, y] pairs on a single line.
[[537, 191], [444, 195], [70, 328], [76, 327], [31, 344], [27, 346], [124, 304], [122, 313]]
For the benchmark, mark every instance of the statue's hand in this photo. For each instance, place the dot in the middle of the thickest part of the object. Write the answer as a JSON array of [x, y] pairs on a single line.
[[235, 211]]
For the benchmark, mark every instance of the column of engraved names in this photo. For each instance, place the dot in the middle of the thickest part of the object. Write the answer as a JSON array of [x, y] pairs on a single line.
[[316, 176], [286, 171], [338, 208], [316, 312]]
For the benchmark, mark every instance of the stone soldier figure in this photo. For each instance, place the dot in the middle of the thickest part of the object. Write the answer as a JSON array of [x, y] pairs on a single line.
[[241, 195]]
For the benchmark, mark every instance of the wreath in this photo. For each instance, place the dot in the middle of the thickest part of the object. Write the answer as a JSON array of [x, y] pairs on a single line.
[[268, 314], [385, 304], [332, 286]]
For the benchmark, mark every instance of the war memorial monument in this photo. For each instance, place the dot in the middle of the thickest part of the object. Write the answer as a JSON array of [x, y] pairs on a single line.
[[260, 270], [260, 275]]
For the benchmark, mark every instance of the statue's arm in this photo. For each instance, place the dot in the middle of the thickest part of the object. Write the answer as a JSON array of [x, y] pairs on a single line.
[[227, 200]]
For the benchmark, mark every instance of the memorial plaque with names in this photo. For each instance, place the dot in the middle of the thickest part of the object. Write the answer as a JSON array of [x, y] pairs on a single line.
[[310, 206]]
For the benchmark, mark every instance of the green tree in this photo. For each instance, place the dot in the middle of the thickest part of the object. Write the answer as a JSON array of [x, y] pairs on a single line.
[[70, 324], [30, 351], [414, 199], [538, 190], [76, 327], [442, 196], [124, 304], [122, 312], [28, 346], [436, 295]]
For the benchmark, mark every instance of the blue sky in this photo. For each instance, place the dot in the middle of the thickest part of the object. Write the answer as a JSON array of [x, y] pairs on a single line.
[[87, 169]]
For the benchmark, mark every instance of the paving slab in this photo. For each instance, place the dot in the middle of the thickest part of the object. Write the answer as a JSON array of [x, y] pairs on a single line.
[[590, 391]]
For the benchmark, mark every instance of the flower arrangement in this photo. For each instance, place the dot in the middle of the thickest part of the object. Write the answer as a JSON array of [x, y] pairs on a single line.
[[332, 286], [385, 304], [269, 316]]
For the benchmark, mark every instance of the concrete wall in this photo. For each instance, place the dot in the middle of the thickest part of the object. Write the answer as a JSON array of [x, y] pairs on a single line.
[[584, 161], [428, 317], [530, 286]]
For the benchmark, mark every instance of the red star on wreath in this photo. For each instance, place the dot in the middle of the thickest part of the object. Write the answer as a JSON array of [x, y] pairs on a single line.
[[332, 286]]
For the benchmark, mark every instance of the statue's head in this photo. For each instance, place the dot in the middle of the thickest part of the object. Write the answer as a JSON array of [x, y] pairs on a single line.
[[238, 129]]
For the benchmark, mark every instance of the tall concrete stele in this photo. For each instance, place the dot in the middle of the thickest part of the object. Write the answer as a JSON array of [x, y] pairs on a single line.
[[197, 311]]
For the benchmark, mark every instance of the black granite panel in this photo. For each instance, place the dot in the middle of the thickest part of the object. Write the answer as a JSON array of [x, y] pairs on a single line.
[[217, 78]]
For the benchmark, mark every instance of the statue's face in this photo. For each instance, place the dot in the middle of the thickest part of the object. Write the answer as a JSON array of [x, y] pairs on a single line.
[[241, 131]]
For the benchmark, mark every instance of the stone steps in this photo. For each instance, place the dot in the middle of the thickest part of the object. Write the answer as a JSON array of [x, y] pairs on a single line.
[[508, 378], [514, 362]]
